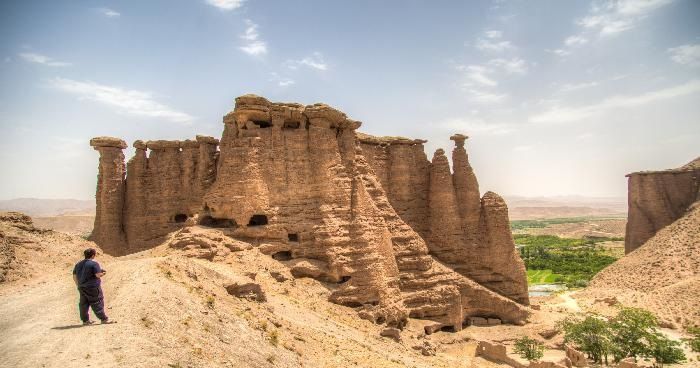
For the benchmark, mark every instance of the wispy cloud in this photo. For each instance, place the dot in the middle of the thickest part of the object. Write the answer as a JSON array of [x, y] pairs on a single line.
[[42, 59], [477, 74], [134, 102], [280, 80], [253, 44], [226, 4], [559, 114], [314, 61], [486, 97], [686, 55], [476, 126], [109, 13], [615, 17], [568, 87], [492, 41], [510, 66], [575, 41]]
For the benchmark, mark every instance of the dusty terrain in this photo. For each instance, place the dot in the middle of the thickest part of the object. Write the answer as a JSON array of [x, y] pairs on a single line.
[[663, 275]]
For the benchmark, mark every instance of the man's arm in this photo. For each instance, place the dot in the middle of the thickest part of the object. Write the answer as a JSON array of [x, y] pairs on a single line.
[[99, 272], [75, 279]]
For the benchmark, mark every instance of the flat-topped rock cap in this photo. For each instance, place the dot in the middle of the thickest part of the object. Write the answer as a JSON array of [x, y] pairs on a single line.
[[108, 142], [139, 144], [459, 139], [690, 166], [387, 140], [161, 144], [207, 139]]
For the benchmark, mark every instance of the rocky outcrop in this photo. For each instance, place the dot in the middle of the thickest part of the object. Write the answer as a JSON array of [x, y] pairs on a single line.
[[370, 215], [108, 231], [658, 198]]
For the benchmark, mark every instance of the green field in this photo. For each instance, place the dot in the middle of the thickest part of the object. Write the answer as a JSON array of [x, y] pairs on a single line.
[[551, 259], [535, 277], [530, 224]]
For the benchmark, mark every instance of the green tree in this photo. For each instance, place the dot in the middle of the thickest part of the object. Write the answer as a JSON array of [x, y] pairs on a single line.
[[665, 350], [591, 335], [694, 342], [632, 330], [529, 349]]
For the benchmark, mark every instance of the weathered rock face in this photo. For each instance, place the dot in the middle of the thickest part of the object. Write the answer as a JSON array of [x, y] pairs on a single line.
[[332, 204], [658, 198], [108, 229]]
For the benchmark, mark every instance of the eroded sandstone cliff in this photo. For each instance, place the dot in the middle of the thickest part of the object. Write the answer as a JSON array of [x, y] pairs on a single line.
[[397, 234], [658, 198]]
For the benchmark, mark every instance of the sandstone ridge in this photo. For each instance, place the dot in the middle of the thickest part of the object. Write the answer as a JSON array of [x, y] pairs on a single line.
[[398, 234], [658, 198]]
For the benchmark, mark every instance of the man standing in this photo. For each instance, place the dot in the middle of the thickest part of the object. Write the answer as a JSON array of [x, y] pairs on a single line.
[[87, 274]]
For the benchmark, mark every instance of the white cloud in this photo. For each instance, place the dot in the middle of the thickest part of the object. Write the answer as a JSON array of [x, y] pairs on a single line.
[[559, 114], [42, 59], [226, 4], [280, 80], [492, 42], [568, 87], [615, 17], [253, 44], [686, 54], [512, 66], [490, 45], [485, 97], [493, 34], [314, 61], [560, 52], [109, 13], [132, 102], [477, 74], [575, 41], [476, 126]]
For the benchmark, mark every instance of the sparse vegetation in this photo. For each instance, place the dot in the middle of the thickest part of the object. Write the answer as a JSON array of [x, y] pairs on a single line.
[[570, 261], [694, 342], [274, 337], [633, 332], [146, 321], [210, 301], [528, 348], [271, 359], [530, 224]]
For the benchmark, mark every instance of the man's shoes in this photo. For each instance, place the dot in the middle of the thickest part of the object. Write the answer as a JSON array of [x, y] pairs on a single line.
[[107, 321], [88, 323]]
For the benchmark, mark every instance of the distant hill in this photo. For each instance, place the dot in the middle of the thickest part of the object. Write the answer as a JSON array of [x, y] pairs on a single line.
[[531, 208], [42, 207]]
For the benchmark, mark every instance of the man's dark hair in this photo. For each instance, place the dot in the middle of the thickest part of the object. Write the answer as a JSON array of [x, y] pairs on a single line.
[[89, 253]]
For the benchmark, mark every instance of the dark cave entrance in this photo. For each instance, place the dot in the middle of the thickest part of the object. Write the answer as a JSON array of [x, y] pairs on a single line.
[[209, 221], [284, 255], [262, 124], [258, 220], [293, 237], [180, 218]]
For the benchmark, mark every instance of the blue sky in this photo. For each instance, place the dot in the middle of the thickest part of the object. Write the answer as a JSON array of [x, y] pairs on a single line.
[[558, 97]]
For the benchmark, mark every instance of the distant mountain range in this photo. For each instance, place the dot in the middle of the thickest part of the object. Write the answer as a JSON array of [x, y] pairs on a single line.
[[42, 207]]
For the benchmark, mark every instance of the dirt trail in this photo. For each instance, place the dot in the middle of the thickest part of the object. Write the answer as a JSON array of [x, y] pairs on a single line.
[[45, 318]]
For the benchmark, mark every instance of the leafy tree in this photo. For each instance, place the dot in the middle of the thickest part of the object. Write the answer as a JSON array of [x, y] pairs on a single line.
[[632, 330], [592, 335], [694, 342], [665, 350], [529, 349]]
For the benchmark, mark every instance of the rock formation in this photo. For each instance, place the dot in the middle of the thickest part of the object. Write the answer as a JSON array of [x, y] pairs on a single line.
[[658, 198], [398, 235]]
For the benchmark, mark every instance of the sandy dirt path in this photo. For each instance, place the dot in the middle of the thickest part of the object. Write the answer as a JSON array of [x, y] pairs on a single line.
[[40, 326]]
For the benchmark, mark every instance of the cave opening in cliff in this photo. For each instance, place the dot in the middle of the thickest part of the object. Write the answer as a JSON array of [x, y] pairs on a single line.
[[258, 220], [447, 329], [180, 217], [262, 124], [284, 255], [344, 279], [291, 125], [293, 237], [214, 222]]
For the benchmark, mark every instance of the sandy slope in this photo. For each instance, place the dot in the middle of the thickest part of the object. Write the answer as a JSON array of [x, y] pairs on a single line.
[[663, 275], [174, 310]]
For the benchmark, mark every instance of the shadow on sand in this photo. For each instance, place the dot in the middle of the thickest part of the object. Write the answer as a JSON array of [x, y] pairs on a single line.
[[69, 327]]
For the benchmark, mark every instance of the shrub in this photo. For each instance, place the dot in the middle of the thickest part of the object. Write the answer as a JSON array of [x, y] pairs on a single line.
[[592, 335], [528, 348], [665, 350], [694, 342], [632, 330]]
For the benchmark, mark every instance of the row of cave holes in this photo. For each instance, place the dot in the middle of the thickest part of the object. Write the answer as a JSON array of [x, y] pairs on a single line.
[[208, 221], [287, 124]]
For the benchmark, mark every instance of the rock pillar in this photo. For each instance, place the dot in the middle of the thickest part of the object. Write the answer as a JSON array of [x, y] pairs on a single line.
[[108, 231], [466, 189], [446, 238]]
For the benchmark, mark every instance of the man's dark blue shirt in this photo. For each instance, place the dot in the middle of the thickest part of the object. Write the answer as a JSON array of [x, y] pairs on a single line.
[[85, 270]]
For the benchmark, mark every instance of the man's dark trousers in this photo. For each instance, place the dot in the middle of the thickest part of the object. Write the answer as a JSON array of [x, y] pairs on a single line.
[[91, 297]]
